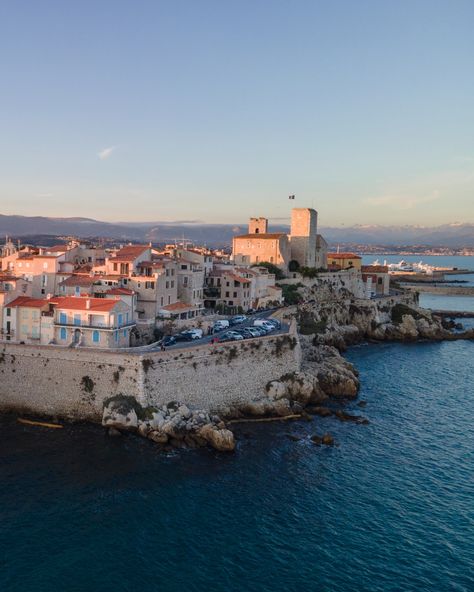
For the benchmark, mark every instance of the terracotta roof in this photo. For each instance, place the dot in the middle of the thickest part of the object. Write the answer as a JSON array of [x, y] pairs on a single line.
[[78, 280], [237, 278], [29, 302], [374, 269], [120, 292], [343, 256], [177, 306], [249, 271], [80, 303], [56, 248], [263, 235], [129, 253]]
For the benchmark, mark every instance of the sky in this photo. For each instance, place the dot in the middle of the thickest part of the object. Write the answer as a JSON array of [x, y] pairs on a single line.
[[217, 110]]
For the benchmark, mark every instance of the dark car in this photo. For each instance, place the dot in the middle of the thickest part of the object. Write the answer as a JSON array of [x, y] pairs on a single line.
[[229, 336], [184, 336], [246, 333], [168, 340]]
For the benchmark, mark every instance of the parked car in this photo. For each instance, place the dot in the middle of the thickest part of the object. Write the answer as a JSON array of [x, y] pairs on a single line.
[[246, 333], [275, 322], [258, 331], [230, 336], [255, 331], [265, 324], [238, 319], [221, 325], [197, 333], [168, 340], [190, 335]]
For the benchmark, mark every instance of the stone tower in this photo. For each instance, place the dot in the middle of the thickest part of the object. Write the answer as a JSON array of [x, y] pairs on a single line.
[[304, 230], [258, 226]]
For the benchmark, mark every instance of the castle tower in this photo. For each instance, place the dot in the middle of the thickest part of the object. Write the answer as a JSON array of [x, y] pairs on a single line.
[[258, 226], [304, 231]]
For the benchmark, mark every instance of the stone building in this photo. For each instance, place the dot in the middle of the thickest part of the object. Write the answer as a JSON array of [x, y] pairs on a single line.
[[298, 248], [304, 226]]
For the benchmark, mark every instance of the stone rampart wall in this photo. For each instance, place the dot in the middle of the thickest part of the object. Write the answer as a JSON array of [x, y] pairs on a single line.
[[75, 382]]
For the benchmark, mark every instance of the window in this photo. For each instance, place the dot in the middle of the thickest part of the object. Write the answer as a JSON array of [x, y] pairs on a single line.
[[235, 294], [77, 290], [167, 285], [227, 294], [125, 332], [116, 336], [9, 312], [172, 283], [115, 267], [95, 336], [152, 285], [63, 333], [62, 318], [120, 319], [77, 320]]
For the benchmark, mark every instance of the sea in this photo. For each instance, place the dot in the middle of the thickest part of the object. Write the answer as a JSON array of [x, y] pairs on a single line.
[[389, 508]]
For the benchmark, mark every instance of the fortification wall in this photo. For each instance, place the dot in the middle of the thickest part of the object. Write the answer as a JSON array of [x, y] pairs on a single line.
[[75, 382]]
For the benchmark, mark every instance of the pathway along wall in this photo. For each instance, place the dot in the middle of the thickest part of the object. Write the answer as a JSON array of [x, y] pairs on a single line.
[[75, 382]]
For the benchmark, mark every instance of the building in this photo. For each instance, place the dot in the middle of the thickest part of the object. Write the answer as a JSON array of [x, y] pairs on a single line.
[[321, 252], [304, 230], [259, 245], [23, 319], [344, 261], [298, 249], [92, 322], [379, 277]]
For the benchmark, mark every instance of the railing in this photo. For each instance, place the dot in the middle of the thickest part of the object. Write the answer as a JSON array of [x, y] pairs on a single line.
[[96, 326]]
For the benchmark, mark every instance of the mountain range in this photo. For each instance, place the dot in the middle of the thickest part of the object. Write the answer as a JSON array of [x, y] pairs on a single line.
[[449, 235]]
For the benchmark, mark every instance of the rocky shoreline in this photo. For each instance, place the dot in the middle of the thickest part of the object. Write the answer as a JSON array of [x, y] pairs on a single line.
[[329, 322], [327, 326]]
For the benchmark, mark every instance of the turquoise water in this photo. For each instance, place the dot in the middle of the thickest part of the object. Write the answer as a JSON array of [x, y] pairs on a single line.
[[390, 508]]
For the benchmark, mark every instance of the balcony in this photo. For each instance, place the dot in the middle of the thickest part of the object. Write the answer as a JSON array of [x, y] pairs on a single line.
[[96, 326]]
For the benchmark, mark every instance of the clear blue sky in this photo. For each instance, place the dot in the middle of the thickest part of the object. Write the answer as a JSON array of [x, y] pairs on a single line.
[[217, 110]]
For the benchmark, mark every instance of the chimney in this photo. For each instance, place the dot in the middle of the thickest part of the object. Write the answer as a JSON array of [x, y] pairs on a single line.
[[88, 303]]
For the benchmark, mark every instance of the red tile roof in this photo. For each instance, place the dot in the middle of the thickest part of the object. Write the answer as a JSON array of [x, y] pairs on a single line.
[[28, 302], [129, 253], [120, 292], [343, 256], [177, 306], [374, 269], [80, 303], [78, 280]]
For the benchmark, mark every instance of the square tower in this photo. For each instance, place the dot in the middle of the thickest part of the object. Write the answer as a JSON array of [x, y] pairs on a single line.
[[304, 231], [258, 226]]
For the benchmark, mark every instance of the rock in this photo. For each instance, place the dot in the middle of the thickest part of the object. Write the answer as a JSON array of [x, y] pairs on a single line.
[[361, 403], [276, 389], [114, 432], [321, 411], [158, 437], [343, 416], [327, 439], [118, 415], [184, 411], [316, 440], [157, 420], [222, 440], [300, 386], [144, 428]]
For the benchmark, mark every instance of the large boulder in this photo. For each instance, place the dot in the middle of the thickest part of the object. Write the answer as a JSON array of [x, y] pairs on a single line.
[[222, 440], [120, 414]]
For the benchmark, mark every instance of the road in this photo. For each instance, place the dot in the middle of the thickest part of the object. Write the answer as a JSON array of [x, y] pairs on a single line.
[[248, 323]]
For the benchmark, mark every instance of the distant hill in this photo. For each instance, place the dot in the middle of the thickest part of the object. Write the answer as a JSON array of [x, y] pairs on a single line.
[[450, 235]]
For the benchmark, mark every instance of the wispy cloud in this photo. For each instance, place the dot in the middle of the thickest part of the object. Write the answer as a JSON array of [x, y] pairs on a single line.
[[402, 202], [106, 152]]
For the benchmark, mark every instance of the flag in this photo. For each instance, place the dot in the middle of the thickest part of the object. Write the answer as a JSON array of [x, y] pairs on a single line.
[[291, 197]]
